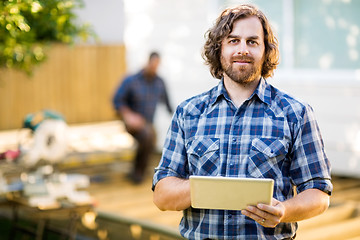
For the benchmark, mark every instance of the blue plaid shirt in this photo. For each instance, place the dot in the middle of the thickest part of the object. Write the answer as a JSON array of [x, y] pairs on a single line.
[[271, 135], [141, 95]]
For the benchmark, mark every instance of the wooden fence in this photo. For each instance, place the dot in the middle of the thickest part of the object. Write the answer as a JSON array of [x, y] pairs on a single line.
[[76, 81]]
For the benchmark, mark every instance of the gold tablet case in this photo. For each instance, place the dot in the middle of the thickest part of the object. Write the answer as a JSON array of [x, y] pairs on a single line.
[[229, 193]]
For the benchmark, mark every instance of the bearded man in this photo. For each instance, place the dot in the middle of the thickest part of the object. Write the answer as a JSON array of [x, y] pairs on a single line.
[[244, 128]]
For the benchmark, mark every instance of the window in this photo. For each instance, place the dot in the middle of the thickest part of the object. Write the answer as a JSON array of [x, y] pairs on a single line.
[[322, 34], [327, 34]]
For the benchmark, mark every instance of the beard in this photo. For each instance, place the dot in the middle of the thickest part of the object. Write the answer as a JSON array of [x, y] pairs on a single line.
[[242, 74]]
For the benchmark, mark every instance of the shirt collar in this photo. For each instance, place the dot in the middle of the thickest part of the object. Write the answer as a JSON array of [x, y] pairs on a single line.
[[262, 91], [218, 92]]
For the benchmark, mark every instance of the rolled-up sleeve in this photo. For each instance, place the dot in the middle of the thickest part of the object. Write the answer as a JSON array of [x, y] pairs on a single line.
[[173, 162], [310, 167]]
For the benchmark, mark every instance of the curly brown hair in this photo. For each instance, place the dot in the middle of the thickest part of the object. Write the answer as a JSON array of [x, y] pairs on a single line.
[[223, 27]]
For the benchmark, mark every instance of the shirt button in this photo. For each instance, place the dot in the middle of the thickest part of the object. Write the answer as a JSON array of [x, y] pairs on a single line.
[[231, 165], [230, 216], [234, 139]]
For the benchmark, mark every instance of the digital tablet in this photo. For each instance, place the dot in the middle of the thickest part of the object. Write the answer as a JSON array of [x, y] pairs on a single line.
[[229, 193]]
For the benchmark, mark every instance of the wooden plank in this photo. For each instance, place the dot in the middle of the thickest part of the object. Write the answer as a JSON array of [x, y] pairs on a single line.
[[345, 183], [348, 194], [354, 238], [343, 230], [333, 215]]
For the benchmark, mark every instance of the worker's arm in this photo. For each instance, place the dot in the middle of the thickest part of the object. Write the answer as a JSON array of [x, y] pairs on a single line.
[[306, 204], [133, 120], [172, 193]]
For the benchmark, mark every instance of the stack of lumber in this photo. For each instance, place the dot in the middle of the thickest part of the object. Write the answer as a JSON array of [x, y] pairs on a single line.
[[342, 220]]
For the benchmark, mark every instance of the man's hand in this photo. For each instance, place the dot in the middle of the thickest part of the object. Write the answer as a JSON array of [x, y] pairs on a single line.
[[266, 215], [304, 205], [133, 121]]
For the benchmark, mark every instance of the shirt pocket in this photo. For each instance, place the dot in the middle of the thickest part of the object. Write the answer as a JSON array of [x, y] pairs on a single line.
[[267, 157], [203, 156]]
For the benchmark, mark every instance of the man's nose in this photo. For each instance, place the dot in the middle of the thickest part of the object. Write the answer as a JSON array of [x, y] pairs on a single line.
[[243, 49]]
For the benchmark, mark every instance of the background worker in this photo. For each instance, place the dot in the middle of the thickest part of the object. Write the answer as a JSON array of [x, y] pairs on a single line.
[[135, 103]]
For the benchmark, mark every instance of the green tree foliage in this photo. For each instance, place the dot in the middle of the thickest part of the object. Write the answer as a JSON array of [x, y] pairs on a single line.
[[28, 26]]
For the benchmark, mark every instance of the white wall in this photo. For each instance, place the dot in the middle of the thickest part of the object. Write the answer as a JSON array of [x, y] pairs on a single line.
[[176, 29], [106, 18]]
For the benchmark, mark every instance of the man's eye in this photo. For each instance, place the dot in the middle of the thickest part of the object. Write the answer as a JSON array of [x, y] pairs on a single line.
[[252, 42], [233, 41]]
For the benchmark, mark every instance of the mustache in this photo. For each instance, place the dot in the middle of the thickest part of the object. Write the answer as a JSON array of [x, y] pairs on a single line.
[[242, 59]]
